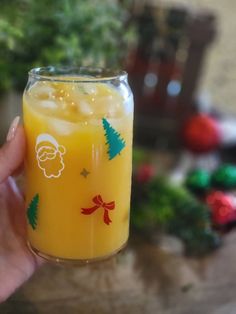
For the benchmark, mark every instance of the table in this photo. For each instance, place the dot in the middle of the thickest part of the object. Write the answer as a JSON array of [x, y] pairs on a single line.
[[145, 278]]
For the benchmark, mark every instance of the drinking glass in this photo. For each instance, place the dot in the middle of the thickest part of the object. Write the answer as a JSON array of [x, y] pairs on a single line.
[[79, 126]]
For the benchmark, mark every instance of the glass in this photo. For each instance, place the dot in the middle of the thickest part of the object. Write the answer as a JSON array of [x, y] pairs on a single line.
[[79, 126]]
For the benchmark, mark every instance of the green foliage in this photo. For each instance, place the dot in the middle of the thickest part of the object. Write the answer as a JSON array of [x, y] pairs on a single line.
[[32, 211], [69, 32], [161, 206], [114, 140]]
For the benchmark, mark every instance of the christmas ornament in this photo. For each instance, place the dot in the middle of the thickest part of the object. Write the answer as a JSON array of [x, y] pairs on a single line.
[[222, 208], [32, 211], [201, 134], [114, 140], [98, 201], [224, 177], [144, 173], [198, 181]]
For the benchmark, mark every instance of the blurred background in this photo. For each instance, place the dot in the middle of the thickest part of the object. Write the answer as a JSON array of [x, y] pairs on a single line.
[[180, 58]]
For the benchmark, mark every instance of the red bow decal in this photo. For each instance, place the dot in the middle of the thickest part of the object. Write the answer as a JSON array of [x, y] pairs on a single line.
[[100, 204]]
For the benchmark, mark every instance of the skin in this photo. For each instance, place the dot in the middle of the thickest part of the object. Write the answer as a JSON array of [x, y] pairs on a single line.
[[17, 263]]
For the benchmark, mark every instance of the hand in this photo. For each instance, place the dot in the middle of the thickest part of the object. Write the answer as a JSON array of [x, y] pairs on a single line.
[[17, 263]]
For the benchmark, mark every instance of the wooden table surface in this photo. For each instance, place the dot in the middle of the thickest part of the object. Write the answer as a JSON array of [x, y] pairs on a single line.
[[145, 278]]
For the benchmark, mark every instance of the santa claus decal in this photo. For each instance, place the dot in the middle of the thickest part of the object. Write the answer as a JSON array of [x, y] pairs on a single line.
[[49, 155]]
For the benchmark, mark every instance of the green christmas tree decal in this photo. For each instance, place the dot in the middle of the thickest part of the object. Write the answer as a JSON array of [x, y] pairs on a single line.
[[114, 140], [32, 211]]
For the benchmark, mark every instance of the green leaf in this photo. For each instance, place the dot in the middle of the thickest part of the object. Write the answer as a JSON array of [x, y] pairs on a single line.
[[32, 211]]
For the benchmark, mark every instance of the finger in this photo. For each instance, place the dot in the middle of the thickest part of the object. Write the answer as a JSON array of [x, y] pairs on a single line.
[[18, 171], [12, 152]]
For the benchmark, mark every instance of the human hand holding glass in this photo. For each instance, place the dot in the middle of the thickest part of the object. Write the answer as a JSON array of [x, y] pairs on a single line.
[[17, 263]]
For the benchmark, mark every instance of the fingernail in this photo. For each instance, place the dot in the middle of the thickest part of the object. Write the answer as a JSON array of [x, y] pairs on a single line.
[[12, 131]]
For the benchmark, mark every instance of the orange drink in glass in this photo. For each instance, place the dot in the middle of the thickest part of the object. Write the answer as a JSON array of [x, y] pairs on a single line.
[[79, 126]]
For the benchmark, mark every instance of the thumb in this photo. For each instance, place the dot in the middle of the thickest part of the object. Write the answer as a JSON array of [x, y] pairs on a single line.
[[12, 152]]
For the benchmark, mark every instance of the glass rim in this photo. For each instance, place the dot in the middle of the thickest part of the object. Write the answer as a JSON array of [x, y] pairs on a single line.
[[77, 74]]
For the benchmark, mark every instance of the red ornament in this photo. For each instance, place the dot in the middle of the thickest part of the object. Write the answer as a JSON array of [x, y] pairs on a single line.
[[222, 207], [201, 134], [144, 173], [98, 201]]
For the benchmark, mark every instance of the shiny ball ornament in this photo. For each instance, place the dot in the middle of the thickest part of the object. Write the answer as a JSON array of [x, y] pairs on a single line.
[[201, 134], [198, 181], [224, 177], [222, 207], [145, 173]]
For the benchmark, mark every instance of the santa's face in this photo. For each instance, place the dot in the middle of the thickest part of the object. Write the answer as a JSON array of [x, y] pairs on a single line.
[[49, 155]]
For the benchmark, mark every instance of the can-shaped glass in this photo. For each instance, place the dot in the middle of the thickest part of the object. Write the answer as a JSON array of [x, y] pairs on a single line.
[[79, 126]]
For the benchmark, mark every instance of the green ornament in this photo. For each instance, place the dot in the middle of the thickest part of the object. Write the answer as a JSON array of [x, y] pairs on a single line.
[[198, 181], [224, 177], [114, 140], [32, 211]]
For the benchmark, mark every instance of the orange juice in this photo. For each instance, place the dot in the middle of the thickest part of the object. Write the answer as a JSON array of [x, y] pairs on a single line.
[[78, 165]]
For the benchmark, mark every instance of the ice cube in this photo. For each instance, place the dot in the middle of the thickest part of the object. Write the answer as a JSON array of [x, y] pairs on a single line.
[[87, 88], [85, 108], [107, 105], [62, 127], [90, 88], [48, 104], [42, 90]]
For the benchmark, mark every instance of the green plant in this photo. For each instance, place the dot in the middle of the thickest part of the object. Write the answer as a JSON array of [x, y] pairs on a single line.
[[69, 32], [161, 206]]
